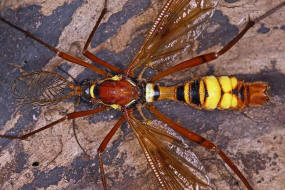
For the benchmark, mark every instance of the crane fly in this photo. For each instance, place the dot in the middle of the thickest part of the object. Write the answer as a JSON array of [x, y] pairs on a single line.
[[178, 24]]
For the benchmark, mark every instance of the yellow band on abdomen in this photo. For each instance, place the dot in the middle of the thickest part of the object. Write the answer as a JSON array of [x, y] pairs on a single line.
[[226, 84], [213, 92]]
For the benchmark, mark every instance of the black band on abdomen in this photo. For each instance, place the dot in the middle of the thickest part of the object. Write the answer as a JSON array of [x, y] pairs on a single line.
[[180, 93], [156, 92], [194, 93]]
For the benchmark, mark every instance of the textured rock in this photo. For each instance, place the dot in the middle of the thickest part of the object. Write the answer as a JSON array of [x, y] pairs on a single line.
[[253, 138]]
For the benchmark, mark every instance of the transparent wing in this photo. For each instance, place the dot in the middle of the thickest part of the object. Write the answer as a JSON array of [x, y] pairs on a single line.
[[174, 164], [42, 88], [174, 31]]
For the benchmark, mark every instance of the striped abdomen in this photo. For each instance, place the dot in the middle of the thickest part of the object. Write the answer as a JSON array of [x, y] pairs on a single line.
[[212, 92]]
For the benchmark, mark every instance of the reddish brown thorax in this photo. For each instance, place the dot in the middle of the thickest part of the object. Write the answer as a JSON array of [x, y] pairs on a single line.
[[119, 92]]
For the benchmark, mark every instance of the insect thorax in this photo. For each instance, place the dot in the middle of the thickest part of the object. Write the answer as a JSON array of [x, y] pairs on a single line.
[[115, 92]]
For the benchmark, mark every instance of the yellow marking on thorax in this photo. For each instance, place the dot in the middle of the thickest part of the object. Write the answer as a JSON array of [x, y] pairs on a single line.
[[92, 91], [214, 92], [116, 78], [116, 106], [131, 82], [131, 102], [113, 78]]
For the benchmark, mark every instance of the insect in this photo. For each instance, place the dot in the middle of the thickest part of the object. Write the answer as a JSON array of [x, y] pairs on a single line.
[[134, 90]]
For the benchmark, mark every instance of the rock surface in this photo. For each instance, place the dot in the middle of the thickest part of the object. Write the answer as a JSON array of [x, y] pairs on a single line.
[[253, 138]]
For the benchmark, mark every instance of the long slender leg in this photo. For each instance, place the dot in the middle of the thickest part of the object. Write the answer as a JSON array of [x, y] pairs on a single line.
[[201, 141], [59, 53], [67, 117], [103, 145], [76, 138], [88, 54], [214, 55]]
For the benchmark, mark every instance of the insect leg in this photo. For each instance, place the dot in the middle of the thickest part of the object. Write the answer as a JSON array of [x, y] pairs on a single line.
[[59, 53], [214, 55], [103, 145], [76, 138], [67, 117], [139, 109], [201, 141], [92, 57]]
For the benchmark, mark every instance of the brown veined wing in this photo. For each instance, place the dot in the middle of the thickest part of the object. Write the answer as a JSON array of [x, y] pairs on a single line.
[[173, 163], [42, 88], [177, 26]]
